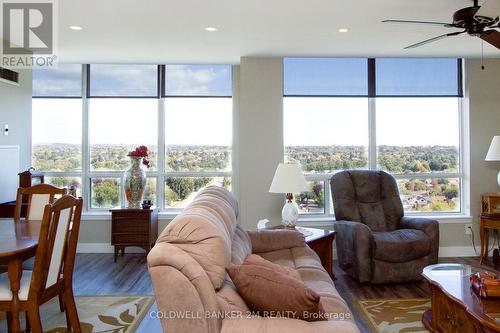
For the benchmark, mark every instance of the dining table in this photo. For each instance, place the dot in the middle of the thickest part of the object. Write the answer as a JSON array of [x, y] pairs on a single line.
[[18, 242]]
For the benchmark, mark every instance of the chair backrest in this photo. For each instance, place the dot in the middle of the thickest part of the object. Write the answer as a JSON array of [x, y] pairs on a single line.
[[55, 255], [367, 196], [38, 196]]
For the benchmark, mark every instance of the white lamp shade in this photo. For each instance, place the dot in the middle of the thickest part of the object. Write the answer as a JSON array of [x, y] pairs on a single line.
[[494, 151], [288, 178]]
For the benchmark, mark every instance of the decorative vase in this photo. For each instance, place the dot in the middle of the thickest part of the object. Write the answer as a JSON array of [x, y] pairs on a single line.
[[135, 182]]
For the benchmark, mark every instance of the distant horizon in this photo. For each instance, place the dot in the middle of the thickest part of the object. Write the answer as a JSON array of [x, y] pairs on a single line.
[[219, 145]]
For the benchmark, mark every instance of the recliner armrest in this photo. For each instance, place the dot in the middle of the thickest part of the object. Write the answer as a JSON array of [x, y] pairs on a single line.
[[272, 240], [354, 248], [429, 226]]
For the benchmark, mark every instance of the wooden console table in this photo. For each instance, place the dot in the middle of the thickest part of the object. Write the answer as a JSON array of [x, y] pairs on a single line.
[[133, 227], [455, 306], [489, 219]]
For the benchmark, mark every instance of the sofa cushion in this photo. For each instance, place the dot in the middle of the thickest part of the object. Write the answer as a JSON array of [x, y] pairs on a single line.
[[400, 245], [274, 294], [241, 246], [257, 260]]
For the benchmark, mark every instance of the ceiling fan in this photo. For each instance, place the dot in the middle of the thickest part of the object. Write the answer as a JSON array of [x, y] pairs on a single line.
[[479, 21]]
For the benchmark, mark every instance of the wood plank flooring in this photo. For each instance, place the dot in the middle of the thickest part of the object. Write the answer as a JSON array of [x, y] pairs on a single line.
[[97, 274]]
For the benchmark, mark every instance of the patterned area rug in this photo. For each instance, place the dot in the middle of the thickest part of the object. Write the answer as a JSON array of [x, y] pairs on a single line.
[[394, 315], [116, 314]]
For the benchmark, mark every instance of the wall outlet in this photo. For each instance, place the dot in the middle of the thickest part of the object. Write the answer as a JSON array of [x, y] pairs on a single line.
[[468, 229]]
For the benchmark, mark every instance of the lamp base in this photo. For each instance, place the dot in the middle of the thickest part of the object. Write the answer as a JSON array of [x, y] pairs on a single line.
[[290, 214]]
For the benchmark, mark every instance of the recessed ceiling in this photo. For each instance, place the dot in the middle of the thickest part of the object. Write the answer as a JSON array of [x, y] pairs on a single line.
[[160, 31]]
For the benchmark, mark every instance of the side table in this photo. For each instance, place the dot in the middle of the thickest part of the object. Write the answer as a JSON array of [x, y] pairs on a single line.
[[486, 223], [133, 227]]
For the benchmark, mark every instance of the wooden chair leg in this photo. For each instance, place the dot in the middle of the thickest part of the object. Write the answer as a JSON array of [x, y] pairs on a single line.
[[61, 303], [68, 324], [9, 319], [69, 301], [34, 318], [28, 326]]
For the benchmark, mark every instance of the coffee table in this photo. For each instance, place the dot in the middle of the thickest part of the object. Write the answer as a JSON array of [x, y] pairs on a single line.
[[455, 306]]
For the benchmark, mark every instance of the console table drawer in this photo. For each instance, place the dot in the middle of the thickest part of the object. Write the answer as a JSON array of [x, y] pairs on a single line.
[[130, 238], [133, 227], [130, 225]]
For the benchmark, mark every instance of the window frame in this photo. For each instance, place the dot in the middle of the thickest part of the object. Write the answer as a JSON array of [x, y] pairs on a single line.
[[463, 158], [160, 174]]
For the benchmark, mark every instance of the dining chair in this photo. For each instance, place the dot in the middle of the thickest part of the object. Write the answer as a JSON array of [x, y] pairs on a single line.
[[38, 196], [52, 274]]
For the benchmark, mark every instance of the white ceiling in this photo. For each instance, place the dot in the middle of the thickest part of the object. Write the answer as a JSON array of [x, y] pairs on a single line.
[[159, 31]]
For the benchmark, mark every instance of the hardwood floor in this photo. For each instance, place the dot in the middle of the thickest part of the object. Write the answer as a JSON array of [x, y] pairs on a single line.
[[97, 274]]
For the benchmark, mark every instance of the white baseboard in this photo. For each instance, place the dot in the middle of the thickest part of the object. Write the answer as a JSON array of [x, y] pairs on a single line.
[[458, 251], [103, 248]]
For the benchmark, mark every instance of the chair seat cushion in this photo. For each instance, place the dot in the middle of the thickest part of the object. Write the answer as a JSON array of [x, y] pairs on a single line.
[[6, 293], [400, 245]]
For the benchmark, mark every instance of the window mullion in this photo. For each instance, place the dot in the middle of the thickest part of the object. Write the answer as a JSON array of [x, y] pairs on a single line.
[[372, 133], [160, 180], [85, 139]]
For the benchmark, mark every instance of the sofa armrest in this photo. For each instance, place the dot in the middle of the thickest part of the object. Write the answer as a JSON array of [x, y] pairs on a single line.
[[181, 285], [354, 248], [267, 324], [428, 226], [272, 240]]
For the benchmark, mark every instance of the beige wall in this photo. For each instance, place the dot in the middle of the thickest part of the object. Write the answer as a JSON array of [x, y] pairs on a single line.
[[259, 144], [484, 106], [15, 110]]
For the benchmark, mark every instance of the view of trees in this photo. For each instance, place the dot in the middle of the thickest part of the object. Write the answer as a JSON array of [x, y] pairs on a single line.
[[417, 195], [326, 159], [198, 158], [416, 159]]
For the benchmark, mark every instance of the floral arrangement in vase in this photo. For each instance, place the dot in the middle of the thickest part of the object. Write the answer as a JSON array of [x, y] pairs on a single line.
[[141, 151], [135, 177]]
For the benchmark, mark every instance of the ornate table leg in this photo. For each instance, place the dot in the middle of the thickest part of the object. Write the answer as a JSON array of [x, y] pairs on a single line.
[[15, 273]]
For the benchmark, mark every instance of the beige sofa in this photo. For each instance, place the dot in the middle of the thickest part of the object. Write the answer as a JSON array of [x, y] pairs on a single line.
[[194, 293]]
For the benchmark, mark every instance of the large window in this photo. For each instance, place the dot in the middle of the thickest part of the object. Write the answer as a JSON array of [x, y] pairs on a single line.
[[198, 130], [86, 118], [399, 115]]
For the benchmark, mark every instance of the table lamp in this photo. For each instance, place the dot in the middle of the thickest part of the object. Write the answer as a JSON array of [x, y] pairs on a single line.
[[288, 179], [494, 152]]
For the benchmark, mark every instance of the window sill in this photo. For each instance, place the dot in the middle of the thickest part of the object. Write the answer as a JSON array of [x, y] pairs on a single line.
[[445, 219], [105, 215]]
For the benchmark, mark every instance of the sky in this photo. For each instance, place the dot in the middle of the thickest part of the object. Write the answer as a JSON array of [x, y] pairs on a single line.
[[321, 121], [307, 120]]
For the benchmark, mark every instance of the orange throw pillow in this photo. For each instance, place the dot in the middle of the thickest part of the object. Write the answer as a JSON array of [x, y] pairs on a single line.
[[273, 294], [257, 260]]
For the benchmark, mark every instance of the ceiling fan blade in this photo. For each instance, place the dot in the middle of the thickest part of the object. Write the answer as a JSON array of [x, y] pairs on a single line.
[[489, 9], [430, 40], [492, 37], [418, 22]]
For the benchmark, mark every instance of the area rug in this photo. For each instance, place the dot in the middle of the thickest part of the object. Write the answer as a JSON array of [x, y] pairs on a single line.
[[117, 314], [394, 315]]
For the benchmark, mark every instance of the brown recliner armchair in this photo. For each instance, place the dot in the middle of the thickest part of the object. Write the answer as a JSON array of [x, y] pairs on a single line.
[[375, 242]]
